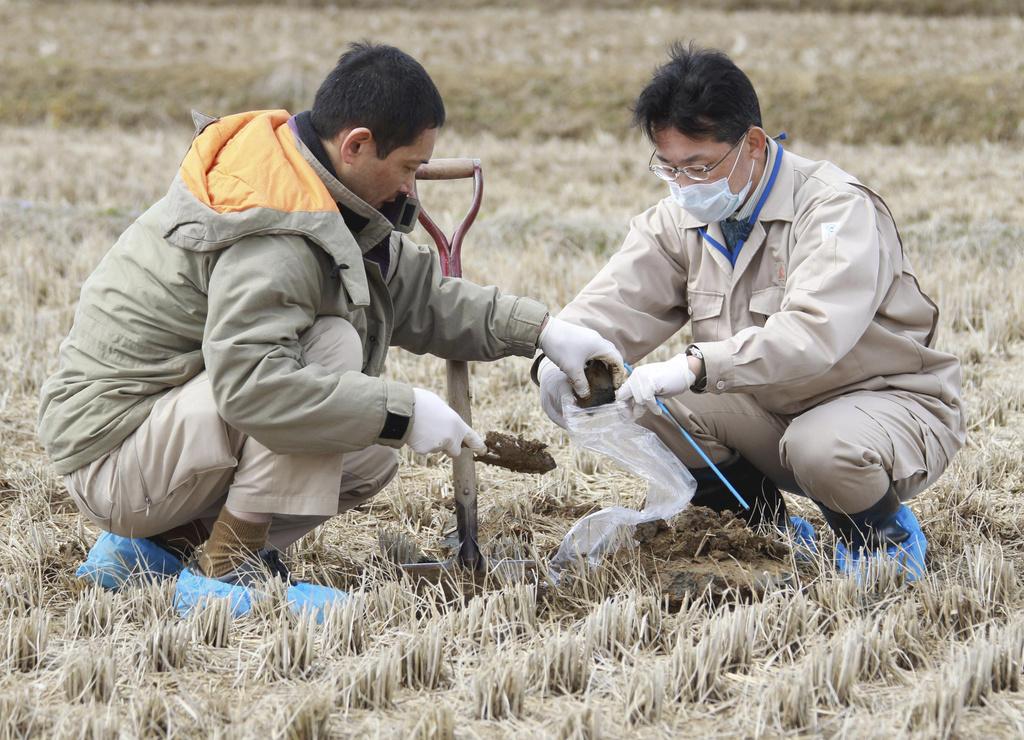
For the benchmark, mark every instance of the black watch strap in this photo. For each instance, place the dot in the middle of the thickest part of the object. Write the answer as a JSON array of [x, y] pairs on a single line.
[[701, 383]]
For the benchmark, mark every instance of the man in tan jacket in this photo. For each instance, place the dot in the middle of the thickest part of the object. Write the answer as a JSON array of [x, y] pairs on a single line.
[[220, 388], [813, 365]]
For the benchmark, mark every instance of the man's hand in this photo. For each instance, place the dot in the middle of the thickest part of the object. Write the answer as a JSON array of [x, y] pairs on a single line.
[[554, 384], [437, 428], [665, 379], [569, 347]]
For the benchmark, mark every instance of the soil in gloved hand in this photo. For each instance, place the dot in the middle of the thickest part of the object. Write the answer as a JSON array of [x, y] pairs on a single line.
[[517, 454], [602, 385]]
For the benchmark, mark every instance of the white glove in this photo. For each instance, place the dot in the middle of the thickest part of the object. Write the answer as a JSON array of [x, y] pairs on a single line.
[[570, 346], [554, 386], [437, 428], [665, 379]]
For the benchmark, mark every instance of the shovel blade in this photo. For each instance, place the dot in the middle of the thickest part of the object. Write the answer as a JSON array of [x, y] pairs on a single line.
[[490, 572]]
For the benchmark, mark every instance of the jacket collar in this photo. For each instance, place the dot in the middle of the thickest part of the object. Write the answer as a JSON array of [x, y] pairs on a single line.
[[377, 228], [189, 221]]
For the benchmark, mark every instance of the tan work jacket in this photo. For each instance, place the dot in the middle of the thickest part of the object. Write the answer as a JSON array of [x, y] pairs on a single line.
[[822, 300]]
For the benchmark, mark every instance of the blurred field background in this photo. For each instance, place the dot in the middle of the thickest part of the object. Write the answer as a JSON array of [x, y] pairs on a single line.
[[921, 100]]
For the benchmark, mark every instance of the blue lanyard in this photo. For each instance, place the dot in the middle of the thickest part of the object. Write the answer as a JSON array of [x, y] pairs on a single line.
[[733, 255]]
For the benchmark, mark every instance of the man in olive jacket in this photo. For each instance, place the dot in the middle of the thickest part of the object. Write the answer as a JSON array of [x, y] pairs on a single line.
[[221, 383], [813, 366]]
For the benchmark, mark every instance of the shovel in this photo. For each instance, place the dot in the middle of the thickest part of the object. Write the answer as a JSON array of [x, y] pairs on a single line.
[[468, 560]]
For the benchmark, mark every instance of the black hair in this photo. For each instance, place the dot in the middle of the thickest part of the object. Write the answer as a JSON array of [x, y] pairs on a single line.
[[701, 93], [382, 88]]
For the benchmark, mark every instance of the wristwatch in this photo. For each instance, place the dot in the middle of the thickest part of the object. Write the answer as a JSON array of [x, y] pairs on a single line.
[[701, 383]]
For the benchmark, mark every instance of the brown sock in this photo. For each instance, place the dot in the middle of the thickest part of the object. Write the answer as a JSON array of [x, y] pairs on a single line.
[[232, 541], [183, 539]]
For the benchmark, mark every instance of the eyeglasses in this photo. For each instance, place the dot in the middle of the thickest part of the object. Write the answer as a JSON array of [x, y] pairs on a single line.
[[696, 172]]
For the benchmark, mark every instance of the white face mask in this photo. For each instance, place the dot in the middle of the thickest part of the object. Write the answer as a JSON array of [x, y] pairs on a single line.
[[712, 201]]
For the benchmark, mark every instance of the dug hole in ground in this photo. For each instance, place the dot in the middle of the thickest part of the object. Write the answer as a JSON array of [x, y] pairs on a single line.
[[686, 551]]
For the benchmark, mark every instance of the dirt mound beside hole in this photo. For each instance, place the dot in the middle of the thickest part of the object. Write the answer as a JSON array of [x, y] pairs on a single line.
[[699, 532], [704, 551]]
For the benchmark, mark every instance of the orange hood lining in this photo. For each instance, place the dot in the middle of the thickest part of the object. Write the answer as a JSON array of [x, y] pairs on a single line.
[[251, 160]]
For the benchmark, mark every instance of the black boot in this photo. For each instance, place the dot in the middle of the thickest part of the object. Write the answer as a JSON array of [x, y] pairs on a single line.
[[766, 503], [871, 529]]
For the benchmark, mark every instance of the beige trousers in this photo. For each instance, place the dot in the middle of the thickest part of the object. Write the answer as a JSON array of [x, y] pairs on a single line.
[[185, 463], [845, 453]]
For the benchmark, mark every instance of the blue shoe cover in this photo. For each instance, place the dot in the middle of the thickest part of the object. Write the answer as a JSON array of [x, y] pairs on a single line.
[[114, 559], [910, 553], [308, 597], [804, 536], [194, 589]]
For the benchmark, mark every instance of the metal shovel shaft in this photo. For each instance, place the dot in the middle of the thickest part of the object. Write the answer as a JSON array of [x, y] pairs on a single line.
[[463, 470]]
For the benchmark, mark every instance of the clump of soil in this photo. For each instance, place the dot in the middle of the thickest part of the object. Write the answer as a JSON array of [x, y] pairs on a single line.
[[602, 385], [517, 454], [714, 552]]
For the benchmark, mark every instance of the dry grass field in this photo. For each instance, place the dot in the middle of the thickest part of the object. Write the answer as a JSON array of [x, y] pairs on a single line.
[[927, 109]]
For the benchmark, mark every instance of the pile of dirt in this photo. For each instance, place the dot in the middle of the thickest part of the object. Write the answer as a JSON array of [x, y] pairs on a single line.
[[517, 454], [706, 552]]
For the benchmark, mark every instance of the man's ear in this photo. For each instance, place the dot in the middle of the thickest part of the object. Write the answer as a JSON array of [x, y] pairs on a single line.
[[356, 143], [756, 141]]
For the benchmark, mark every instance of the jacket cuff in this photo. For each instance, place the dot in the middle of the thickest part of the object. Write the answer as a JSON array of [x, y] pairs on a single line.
[[718, 366], [524, 325], [398, 406]]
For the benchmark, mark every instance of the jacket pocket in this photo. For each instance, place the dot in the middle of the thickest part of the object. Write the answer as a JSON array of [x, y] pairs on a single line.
[[764, 303], [705, 314], [108, 344]]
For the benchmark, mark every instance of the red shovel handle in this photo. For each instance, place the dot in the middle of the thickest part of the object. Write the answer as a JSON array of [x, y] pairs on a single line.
[[452, 169]]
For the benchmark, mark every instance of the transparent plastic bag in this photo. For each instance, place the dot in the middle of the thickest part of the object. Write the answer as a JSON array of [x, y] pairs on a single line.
[[608, 430]]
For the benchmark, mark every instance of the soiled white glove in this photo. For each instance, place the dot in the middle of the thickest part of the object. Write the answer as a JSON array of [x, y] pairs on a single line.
[[570, 346], [554, 386], [664, 379], [437, 428]]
